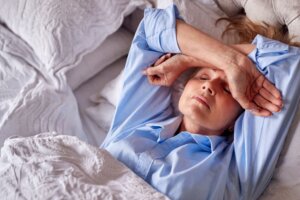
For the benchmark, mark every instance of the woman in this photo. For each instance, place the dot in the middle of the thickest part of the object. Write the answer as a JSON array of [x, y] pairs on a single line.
[[188, 156]]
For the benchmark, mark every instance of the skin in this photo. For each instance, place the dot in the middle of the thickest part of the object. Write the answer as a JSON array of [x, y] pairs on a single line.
[[248, 86], [209, 84], [207, 104], [203, 98]]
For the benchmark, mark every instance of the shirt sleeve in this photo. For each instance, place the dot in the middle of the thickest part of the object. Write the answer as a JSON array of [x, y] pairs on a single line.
[[140, 102], [258, 141]]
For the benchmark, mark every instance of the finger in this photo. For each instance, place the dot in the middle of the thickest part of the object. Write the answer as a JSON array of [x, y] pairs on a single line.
[[272, 89], [258, 111], [268, 96], [255, 109], [261, 113], [252, 107], [153, 79], [265, 104], [150, 71], [168, 55], [156, 80], [160, 60]]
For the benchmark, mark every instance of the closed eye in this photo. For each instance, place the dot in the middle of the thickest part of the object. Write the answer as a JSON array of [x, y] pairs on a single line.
[[203, 77]]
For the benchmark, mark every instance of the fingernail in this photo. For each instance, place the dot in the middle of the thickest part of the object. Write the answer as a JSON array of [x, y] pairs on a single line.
[[144, 72]]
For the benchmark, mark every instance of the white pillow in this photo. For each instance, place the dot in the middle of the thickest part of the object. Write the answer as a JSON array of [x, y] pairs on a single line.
[[113, 48], [106, 101], [110, 92], [61, 32], [203, 15], [102, 114]]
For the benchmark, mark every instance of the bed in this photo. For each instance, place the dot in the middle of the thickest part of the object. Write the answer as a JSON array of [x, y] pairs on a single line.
[[59, 87]]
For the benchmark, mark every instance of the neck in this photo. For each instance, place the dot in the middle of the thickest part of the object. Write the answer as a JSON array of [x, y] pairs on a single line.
[[189, 125]]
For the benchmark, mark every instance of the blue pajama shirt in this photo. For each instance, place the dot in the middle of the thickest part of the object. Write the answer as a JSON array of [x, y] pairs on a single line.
[[195, 166]]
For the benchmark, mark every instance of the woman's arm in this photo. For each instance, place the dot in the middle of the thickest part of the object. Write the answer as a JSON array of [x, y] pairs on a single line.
[[195, 43], [249, 87], [257, 140], [190, 61], [140, 102]]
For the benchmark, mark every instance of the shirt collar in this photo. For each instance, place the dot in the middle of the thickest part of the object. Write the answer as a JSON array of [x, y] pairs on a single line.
[[210, 142], [166, 128]]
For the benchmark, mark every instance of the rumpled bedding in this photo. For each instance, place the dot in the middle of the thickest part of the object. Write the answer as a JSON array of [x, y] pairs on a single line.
[[51, 166], [61, 32], [32, 99], [39, 42]]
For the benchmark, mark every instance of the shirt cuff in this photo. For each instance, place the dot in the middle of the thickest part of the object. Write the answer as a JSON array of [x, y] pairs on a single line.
[[267, 52], [160, 29]]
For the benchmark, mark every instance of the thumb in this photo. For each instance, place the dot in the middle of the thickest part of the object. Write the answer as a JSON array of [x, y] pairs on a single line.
[[257, 110], [246, 103]]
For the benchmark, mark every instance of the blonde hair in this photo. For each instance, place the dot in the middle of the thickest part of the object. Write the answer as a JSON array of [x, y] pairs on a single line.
[[247, 30]]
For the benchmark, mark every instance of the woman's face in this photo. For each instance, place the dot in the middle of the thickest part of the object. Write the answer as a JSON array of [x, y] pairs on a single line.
[[206, 101]]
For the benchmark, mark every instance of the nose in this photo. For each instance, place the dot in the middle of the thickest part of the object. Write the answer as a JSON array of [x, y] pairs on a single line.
[[208, 87]]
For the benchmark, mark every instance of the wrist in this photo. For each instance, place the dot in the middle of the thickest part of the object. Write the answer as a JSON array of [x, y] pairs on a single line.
[[234, 59], [192, 62], [185, 61], [189, 61]]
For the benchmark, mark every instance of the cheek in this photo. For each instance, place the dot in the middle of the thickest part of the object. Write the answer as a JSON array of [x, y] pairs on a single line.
[[184, 98], [182, 102], [232, 108]]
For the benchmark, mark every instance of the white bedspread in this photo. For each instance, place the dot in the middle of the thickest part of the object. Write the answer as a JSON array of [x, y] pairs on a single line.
[[51, 166], [35, 98], [39, 42]]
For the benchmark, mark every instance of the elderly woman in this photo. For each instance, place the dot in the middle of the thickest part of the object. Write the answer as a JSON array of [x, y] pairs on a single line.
[[191, 155]]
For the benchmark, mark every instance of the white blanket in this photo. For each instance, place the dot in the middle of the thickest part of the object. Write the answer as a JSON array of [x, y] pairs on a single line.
[[39, 42], [35, 98], [51, 166]]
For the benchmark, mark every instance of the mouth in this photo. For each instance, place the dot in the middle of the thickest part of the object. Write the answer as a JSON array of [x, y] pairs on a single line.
[[202, 100]]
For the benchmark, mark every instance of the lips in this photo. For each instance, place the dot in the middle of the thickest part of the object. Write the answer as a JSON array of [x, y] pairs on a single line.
[[202, 100]]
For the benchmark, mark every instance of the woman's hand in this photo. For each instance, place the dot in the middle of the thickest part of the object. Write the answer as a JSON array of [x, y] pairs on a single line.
[[252, 89], [166, 69], [247, 85]]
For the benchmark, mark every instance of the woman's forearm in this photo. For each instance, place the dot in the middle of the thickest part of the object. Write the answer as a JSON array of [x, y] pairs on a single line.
[[191, 61], [243, 48], [207, 50]]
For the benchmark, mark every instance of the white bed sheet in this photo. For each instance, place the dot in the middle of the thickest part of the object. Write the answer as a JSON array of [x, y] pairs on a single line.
[[114, 47]]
